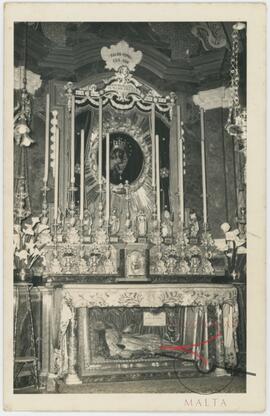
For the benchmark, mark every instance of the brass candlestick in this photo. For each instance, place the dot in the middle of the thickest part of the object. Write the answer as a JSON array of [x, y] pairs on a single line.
[[100, 214], [82, 263], [44, 217], [21, 196], [72, 205], [55, 265]]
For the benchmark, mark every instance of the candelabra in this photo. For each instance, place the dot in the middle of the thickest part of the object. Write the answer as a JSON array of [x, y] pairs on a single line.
[[100, 213], [44, 216], [21, 196], [236, 119], [82, 263], [73, 236], [22, 118], [129, 234]]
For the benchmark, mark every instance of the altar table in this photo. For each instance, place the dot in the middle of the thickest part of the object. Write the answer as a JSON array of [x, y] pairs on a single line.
[[69, 304]]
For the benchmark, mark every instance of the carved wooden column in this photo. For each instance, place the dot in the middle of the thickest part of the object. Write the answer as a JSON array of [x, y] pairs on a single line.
[[72, 377], [47, 348], [83, 339], [205, 339], [220, 370]]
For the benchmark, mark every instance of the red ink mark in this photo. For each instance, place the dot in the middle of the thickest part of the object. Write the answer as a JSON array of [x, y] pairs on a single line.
[[187, 348]]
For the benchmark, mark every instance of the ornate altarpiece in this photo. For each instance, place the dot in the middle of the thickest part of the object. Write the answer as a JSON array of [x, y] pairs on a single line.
[[108, 225]]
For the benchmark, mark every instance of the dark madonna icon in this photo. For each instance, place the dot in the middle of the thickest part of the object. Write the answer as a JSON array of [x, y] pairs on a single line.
[[126, 159]]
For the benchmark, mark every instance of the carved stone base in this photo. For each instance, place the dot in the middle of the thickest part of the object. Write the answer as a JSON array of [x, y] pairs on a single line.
[[73, 379], [51, 382]]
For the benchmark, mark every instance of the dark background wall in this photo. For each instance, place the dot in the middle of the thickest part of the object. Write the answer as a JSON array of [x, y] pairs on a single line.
[[61, 52]]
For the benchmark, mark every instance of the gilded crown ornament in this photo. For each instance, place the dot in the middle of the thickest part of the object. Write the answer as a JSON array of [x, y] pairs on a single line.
[[119, 143]]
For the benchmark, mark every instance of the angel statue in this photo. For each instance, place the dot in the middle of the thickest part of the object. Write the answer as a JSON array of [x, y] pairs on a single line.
[[193, 225], [166, 226], [87, 222], [114, 223], [141, 224]]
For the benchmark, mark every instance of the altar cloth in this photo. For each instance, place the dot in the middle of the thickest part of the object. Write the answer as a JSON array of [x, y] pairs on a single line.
[[157, 295]]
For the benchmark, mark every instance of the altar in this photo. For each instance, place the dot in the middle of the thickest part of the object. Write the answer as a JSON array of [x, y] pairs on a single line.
[[128, 265], [99, 330]]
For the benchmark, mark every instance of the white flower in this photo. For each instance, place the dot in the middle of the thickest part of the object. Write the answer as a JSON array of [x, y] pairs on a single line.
[[22, 254], [26, 140], [43, 260], [17, 228], [28, 230], [225, 227], [35, 252], [35, 220], [16, 241], [41, 228]]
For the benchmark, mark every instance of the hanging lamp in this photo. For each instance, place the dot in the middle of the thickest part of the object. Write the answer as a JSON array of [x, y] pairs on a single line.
[[22, 118], [237, 118]]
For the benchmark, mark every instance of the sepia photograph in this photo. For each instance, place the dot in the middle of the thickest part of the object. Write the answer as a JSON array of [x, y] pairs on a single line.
[[129, 208]]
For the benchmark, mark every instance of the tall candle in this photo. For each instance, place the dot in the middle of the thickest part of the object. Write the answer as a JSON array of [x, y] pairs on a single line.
[[107, 177], [82, 177], [47, 138], [153, 125], [100, 142], [203, 168], [56, 176], [72, 142], [180, 164], [158, 178]]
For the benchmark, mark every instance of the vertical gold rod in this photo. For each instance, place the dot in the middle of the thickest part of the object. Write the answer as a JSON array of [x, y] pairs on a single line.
[[205, 345], [108, 178], [56, 177], [47, 134], [82, 177], [100, 144], [203, 170], [153, 125], [72, 142], [158, 179], [184, 325], [181, 168], [195, 334]]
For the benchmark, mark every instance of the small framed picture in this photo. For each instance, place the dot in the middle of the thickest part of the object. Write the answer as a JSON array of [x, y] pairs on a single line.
[[136, 264]]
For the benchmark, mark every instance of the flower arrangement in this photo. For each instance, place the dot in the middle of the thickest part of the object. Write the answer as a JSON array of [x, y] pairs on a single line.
[[29, 239]]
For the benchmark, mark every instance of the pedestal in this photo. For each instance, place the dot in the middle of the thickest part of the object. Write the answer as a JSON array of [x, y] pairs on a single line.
[[46, 360]]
